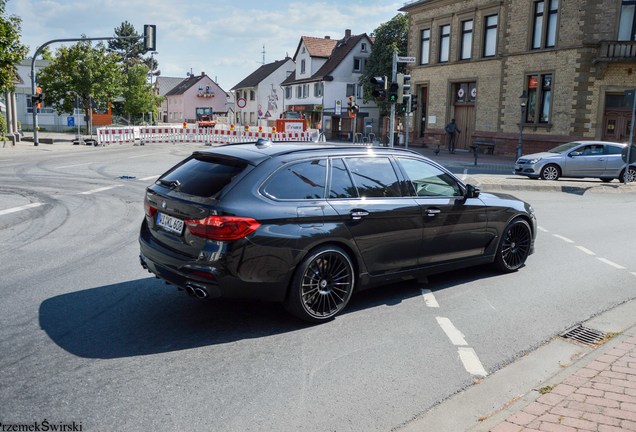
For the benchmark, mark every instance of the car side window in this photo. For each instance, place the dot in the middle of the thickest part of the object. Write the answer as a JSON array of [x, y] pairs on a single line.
[[374, 177], [429, 180], [341, 185], [298, 181], [591, 150], [613, 149]]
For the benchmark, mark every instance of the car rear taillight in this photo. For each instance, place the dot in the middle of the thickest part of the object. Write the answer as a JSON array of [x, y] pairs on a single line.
[[222, 228], [149, 209]]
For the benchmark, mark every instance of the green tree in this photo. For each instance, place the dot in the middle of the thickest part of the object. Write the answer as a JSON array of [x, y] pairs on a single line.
[[12, 51], [81, 70], [138, 95], [389, 37], [129, 50]]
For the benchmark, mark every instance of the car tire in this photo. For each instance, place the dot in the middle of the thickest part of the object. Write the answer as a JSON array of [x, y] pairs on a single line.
[[322, 285], [514, 246], [550, 172], [631, 175]]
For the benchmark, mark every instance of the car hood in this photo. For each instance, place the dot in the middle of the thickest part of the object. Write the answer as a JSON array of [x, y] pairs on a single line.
[[542, 155]]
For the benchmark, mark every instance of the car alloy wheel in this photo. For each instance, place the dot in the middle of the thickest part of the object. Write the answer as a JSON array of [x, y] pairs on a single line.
[[631, 175], [322, 285], [514, 246], [550, 172]]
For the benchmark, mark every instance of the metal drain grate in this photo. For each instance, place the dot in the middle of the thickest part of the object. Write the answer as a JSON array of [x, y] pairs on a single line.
[[584, 335]]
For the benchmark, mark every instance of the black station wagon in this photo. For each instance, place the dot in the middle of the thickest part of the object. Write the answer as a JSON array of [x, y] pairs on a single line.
[[307, 224]]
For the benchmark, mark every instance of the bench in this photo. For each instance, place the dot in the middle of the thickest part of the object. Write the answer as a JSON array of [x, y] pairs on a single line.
[[485, 145]]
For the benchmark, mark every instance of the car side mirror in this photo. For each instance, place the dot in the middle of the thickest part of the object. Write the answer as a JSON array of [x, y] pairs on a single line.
[[575, 153], [471, 191]]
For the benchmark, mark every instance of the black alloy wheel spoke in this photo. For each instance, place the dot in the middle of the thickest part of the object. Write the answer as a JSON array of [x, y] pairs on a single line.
[[325, 284]]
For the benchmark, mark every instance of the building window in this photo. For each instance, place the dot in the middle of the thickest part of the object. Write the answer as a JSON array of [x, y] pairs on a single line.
[[490, 36], [318, 89], [465, 93], [252, 95], [363, 47], [545, 24], [426, 46], [288, 92], [305, 91], [627, 26], [444, 43], [357, 65], [354, 90], [299, 92], [467, 40], [302, 66], [539, 90]]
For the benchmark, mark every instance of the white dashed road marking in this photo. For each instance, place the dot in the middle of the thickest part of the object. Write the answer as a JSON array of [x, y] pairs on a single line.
[[455, 336], [17, 209], [102, 189], [148, 178], [471, 362], [587, 251], [429, 298], [565, 239], [611, 263], [76, 165]]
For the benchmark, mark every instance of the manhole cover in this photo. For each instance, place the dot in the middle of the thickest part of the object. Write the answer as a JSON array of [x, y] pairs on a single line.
[[584, 335]]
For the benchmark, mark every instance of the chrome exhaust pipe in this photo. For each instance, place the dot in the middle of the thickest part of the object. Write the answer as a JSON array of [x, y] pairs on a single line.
[[189, 290], [201, 293]]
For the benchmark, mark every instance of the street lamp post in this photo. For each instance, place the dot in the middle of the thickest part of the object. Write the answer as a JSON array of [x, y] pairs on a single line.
[[524, 99]]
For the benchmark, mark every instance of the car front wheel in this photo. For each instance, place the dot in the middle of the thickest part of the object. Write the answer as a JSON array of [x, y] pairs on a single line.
[[322, 285], [514, 246], [550, 172]]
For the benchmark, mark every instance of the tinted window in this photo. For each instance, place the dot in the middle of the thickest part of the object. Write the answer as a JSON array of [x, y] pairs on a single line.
[[203, 176], [341, 183], [613, 149], [374, 177], [304, 180], [428, 180]]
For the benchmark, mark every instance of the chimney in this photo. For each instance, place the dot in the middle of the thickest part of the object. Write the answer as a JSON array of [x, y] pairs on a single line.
[[327, 37], [202, 73], [347, 33]]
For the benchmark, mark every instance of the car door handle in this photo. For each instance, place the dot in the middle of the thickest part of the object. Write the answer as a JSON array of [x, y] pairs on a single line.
[[431, 212], [359, 214]]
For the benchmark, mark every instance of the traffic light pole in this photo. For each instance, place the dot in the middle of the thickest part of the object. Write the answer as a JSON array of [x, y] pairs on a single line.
[[146, 35], [392, 118]]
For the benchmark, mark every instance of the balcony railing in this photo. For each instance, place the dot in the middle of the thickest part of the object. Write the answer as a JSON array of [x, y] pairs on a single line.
[[616, 51]]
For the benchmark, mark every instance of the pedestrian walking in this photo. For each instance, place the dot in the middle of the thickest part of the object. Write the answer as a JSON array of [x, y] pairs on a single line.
[[452, 130]]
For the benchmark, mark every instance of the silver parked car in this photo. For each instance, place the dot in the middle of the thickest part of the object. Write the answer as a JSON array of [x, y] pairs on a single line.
[[600, 159]]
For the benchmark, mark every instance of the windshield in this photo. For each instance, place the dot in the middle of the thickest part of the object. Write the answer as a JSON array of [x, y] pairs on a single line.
[[564, 147]]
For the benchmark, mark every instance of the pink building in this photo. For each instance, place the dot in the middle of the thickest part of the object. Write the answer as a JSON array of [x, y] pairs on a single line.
[[196, 91]]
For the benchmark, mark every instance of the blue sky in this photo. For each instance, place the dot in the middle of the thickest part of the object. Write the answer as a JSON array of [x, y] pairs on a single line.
[[223, 39]]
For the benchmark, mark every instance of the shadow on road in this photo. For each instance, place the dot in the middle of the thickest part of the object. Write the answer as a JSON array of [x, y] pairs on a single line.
[[144, 317]]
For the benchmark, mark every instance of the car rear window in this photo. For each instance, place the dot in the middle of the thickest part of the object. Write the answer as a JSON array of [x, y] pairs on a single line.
[[203, 176]]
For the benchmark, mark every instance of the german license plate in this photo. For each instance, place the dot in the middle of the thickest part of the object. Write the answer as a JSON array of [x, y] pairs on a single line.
[[170, 223]]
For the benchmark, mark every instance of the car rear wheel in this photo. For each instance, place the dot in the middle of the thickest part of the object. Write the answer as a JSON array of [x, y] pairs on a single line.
[[514, 246], [550, 172], [631, 175], [322, 285]]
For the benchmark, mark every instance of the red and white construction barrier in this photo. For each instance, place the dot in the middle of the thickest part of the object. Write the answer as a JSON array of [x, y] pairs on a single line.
[[107, 136], [172, 135]]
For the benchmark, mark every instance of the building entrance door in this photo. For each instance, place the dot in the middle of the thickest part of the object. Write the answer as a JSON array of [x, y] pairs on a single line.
[[465, 119], [616, 125]]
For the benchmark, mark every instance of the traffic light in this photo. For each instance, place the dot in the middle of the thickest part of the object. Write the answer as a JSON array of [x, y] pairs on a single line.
[[150, 37], [406, 104], [406, 84], [379, 89], [37, 98], [413, 102], [350, 102], [393, 92]]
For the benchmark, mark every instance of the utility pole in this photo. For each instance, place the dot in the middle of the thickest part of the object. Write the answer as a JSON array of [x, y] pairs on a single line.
[[392, 117]]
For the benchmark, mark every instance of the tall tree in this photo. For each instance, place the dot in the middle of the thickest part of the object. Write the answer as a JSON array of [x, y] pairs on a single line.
[[129, 50], [84, 71], [12, 51], [138, 95], [389, 37]]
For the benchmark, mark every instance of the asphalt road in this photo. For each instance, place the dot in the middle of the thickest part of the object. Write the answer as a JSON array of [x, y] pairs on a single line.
[[87, 335]]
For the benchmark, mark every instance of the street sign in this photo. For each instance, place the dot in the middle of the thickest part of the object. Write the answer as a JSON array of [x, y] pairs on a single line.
[[70, 121], [406, 59], [338, 109]]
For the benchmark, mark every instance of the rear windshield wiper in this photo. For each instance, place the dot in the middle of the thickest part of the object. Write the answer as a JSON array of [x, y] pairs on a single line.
[[172, 184]]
